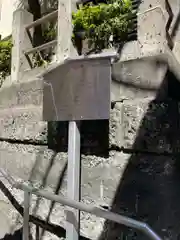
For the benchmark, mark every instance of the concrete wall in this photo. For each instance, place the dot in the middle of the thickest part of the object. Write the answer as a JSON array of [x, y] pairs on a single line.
[[129, 164], [132, 168]]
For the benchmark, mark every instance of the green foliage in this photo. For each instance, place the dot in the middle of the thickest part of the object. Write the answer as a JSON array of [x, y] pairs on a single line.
[[5, 53], [50, 32], [5, 57], [98, 23], [101, 22]]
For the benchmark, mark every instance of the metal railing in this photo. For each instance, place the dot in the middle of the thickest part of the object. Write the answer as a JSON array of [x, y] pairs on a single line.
[[34, 24], [29, 190]]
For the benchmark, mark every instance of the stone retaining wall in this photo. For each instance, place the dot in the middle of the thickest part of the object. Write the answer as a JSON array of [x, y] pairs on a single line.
[[129, 164], [136, 173]]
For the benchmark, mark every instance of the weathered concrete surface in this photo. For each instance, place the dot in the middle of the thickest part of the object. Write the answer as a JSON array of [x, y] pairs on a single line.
[[135, 73], [21, 94], [38, 166], [156, 124], [23, 124], [100, 176], [144, 73], [147, 182], [151, 29], [148, 191], [148, 5], [32, 163], [135, 124], [143, 125], [5, 219]]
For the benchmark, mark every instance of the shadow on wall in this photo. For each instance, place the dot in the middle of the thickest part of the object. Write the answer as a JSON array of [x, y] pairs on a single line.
[[16, 236], [94, 137], [149, 190]]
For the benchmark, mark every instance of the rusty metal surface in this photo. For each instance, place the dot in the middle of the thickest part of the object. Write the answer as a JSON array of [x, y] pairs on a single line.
[[78, 90]]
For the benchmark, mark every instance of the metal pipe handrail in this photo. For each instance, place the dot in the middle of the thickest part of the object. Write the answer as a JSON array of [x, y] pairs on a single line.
[[129, 222], [43, 19], [41, 47]]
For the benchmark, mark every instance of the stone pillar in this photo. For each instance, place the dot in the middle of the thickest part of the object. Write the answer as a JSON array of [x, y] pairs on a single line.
[[65, 47], [21, 42], [152, 21]]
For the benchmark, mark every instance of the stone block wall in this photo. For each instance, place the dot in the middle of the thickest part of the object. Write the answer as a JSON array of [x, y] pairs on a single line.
[[130, 164], [135, 172]]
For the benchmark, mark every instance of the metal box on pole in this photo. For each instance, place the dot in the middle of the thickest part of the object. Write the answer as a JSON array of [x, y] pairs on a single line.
[[77, 89]]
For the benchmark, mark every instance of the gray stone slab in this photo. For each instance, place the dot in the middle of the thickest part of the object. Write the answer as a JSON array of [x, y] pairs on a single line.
[[6, 223], [148, 191], [23, 124], [127, 182], [32, 163], [152, 29], [148, 5], [139, 123], [121, 91], [21, 94], [100, 178], [150, 126], [143, 74]]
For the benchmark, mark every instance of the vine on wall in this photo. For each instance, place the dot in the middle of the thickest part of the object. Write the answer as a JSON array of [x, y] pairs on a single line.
[[5, 58]]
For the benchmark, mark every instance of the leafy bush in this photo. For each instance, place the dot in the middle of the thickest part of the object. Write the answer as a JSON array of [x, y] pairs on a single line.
[[103, 25], [5, 57]]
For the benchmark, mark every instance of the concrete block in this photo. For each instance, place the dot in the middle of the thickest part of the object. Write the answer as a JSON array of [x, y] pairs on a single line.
[[30, 162], [23, 124], [6, 222], [144, 74], [133, 180], [115, 126], [150, 126], [147, 181], [131, 119], [152, 29], [121, 91], [36, 165], [147, 5], [21, 94]]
